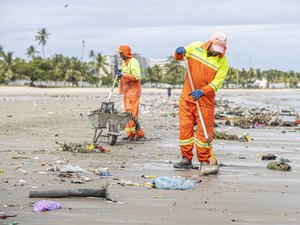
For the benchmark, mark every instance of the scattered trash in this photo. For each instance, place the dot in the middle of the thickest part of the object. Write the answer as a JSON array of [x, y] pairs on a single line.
[[259, 125], [53, 168], [221, 164], [269, 157], [284, 160], [102, 171], [77, 181], [20, 183], [297, 121], [124, 182], [89, 146], [159, 196], [148, 176], [12, 223], [248, 138], [23, 171], [44, 205], [225, 136], [251, 117], [99, 193], [81, 148], [3, 217], [1, 171], [71, 169], [279, 166], [173, 183], [102, 149]]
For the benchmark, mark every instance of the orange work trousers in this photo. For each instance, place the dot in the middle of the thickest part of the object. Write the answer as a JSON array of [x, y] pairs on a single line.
[[131, 104], [188, 115]]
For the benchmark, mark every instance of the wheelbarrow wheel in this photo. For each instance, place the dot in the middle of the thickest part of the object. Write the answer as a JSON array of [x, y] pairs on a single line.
[[112, 139]]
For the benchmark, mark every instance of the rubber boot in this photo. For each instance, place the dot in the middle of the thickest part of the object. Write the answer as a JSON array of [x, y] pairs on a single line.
[[183, 164]]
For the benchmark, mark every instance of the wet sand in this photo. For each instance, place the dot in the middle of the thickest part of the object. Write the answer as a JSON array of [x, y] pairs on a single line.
[[32, 120]]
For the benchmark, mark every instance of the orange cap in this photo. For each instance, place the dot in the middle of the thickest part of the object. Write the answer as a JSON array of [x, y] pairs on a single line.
[[126, 50]]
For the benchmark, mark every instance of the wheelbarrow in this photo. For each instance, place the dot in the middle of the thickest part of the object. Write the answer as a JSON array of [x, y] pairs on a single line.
[[113, 123], [107, 118]]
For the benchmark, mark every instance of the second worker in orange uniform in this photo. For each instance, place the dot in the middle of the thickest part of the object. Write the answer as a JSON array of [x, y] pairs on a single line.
[[130, 87]]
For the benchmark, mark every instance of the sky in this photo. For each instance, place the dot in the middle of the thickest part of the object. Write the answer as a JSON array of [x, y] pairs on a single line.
[[261, 34]]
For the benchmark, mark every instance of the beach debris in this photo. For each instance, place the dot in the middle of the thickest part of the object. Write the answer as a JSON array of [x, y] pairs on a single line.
[[99, 193], [248, 138], [81, 148], [221, 164], [12, 223], [20, 183], [173, 183], [252, 117], [225, 136], [159, 196], [3, 217], [71, 169], [44, 205], [1, 171], [269, 156], [284, 160], [102, 171], [281, 166], [23, 171], [148, 176], [53, 168], [259, 125], [124, 182], [297, 120], [77, 181]]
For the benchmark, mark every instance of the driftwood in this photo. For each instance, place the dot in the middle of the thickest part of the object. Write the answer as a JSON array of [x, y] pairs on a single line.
[[99, 193]]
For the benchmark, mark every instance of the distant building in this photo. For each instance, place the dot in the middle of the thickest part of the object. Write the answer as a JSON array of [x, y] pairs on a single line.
[[159, 62], [260, 83], [144, 62]]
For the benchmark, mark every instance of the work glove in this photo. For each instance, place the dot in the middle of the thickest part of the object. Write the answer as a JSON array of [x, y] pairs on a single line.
[[180, 50], [119, 74], [196, 94]]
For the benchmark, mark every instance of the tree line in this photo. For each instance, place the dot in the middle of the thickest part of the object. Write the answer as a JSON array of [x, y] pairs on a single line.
[[98, 71]]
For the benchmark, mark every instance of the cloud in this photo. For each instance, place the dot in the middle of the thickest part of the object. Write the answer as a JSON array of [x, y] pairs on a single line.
[[256, 32]]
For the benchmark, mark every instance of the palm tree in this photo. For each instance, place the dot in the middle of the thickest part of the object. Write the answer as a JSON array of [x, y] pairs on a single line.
[[41, 37], [8, 64], [100, 66], [174, 72], [92, 54], [1, 51], [31, 51]]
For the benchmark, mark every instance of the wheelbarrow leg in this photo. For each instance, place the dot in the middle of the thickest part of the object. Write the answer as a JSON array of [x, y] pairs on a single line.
[[97, 136]]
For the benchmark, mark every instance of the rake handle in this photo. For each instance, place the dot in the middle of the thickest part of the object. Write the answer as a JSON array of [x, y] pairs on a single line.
[[197, 103], [112, 89]]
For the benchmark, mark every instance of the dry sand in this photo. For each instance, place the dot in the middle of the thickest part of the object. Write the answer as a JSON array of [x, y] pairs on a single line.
[[32, 120]]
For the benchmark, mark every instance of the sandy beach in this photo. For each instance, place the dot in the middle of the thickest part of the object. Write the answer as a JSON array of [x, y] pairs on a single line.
[[34, 120]]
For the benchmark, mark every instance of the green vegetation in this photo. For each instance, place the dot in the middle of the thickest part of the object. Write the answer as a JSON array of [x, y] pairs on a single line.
[[60, 68]]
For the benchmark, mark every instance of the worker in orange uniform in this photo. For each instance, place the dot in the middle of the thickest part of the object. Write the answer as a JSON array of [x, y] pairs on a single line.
[[208, 67], [130, 86]]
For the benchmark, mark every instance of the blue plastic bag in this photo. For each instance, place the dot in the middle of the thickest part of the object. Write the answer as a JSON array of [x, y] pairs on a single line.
[[173, 183]]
